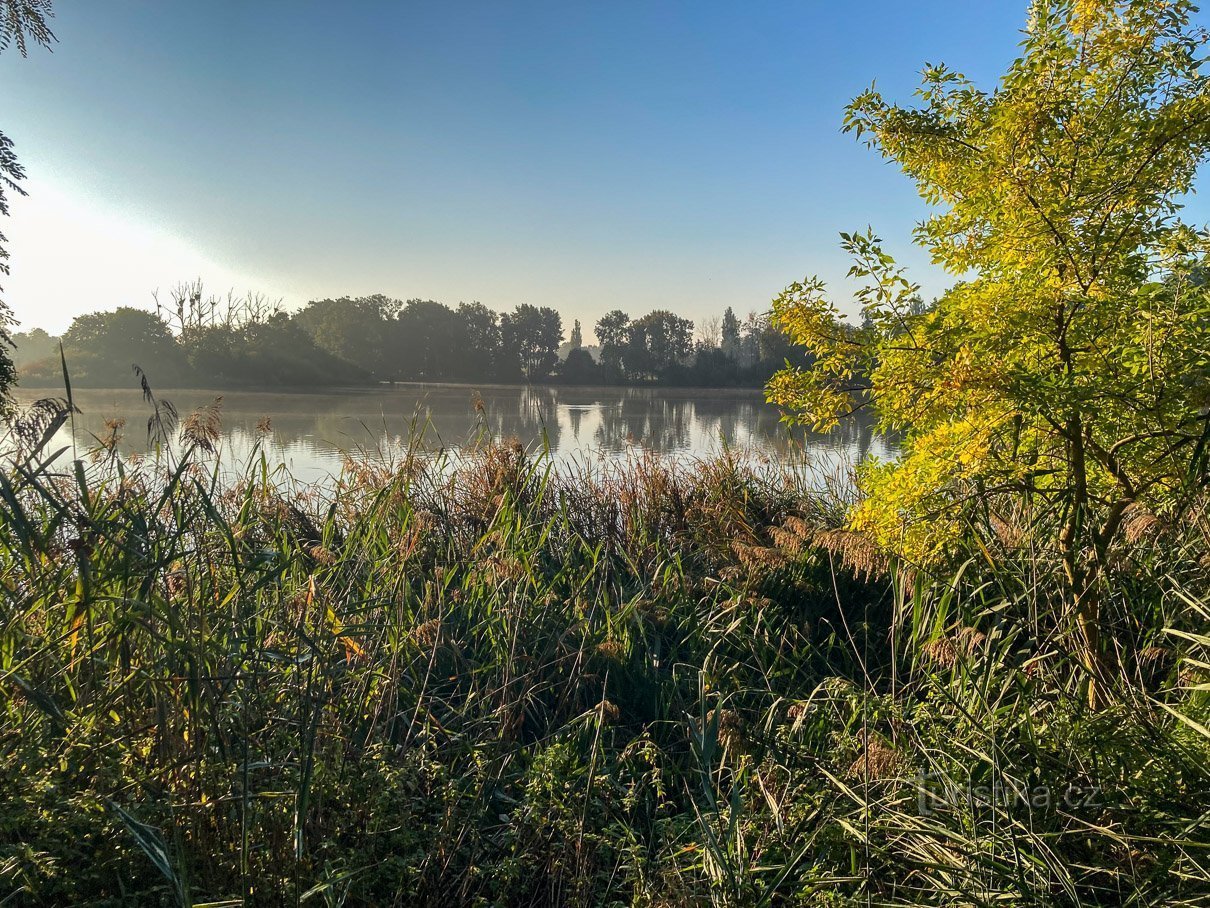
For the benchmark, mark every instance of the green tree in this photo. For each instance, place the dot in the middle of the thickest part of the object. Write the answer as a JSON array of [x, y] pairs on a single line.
[[277, 351], [102, 348], [577, 336], [613, 333], [430, 341], [657, 342], [1069, 368], [579, 368], [730, 334], [533, 334], [21, 22], [481, 329], [33, 346], [354, 330]]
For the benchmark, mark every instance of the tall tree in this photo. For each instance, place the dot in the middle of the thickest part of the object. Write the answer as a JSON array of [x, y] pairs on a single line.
[[21, 22], [1070, 367], [709, 333], [481, 328], [613, 333], [658, 341], [33, 346], [533, 334], [103, 346], [353, 329], [577, 336], [429, 341], [730, 333]]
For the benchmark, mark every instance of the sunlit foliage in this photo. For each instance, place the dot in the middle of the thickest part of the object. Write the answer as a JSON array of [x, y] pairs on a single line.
[[1070, 361]]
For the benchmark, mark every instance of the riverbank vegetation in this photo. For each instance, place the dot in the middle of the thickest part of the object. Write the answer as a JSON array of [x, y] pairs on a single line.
[[487, 682], [977, 674]]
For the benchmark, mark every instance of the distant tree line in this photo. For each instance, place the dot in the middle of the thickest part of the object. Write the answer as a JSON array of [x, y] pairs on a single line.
[[197, 340]]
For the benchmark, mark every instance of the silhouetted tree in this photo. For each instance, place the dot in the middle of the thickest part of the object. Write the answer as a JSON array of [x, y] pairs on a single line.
[[430, 341], [481, 358], [657, 342], [577, 337], [730, 334], [103, 346], [533, 334], [278, 351], [613, 333], [709, 333], [353, 329], [33, 346], [579, 368]]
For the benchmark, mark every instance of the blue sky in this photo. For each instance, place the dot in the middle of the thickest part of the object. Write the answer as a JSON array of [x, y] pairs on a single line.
[[585, 156]]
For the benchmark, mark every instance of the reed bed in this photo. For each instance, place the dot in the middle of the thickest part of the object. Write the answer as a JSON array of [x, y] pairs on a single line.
[[491, 682]]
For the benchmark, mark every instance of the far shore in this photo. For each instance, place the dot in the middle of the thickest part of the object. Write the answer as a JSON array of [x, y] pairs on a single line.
[[679, 390]]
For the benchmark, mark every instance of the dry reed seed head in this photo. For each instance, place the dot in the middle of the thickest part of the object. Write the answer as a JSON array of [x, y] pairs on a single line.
[[113, 432], [502, 568], [420, 523], [731, 573], [1155, 661], [799, 527], [428, 633], [756, 557], [946, 651], [856, 552], [969, 639], [610, 711], [877, 759], [940, 652], [611, 649], [787, 540], [1139, 523], [1008, 532], [322, 554], [204, 426], [730, 726], [477, 403], [1192, 675], [176, 581], [264, 426], [653, 612]]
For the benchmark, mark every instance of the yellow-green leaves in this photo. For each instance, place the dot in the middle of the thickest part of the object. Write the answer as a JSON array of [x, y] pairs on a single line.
[[1069, 363]]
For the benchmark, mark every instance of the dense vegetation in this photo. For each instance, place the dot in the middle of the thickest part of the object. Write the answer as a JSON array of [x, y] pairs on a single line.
[[1070, 368], [976, 675], [482, 682], [196, 340]]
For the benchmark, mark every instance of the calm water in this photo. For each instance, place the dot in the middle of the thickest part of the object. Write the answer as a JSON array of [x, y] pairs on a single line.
[[312, 431]]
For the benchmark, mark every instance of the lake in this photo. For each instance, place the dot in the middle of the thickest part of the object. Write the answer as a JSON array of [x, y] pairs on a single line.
[[312, 431]]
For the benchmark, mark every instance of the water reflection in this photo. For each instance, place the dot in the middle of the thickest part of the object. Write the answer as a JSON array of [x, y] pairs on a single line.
[[311, 431]]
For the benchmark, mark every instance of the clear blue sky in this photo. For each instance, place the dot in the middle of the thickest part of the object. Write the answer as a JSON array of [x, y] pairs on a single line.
[[580, 155]]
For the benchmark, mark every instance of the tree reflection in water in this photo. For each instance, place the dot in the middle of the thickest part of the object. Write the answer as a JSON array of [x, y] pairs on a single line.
[[311, 431]]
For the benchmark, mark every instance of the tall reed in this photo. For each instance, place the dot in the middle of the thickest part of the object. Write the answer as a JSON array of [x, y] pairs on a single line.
[[482, 680]]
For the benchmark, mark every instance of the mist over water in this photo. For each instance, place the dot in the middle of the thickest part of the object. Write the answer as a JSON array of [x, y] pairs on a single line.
[[311, 432]]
